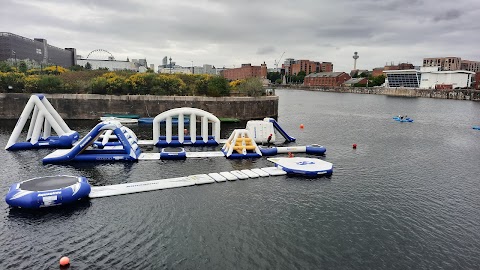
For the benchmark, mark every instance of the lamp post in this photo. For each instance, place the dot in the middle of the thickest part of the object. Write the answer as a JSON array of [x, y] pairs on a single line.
[[170, 65], [15, 55], [193, 70]]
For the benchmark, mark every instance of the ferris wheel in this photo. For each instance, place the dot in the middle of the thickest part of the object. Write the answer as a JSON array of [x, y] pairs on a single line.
[[100, 54]]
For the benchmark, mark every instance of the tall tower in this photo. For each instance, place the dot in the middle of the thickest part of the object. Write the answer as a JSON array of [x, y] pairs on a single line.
[[355, 57]]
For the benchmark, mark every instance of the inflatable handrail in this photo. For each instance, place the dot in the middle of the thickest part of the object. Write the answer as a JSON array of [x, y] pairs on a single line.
[[247, 147]]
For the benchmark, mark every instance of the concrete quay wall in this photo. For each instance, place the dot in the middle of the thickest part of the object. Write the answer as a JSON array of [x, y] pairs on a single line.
[[89, 106], [460, 94]]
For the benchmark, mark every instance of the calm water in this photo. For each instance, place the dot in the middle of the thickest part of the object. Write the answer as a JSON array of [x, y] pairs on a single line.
[[407, 198]]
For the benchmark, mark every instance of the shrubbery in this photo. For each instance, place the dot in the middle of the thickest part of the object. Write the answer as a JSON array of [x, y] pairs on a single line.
[[56, 79]]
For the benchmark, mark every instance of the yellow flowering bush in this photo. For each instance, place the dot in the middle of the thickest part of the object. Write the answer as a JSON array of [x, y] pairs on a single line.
[[31, 83]]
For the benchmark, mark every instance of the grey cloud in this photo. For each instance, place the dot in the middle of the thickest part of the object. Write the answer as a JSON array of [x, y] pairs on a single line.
[[266, 50], [449, 15], [228, 32]]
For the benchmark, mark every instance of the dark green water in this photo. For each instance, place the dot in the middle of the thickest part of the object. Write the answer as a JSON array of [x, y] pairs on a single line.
[[407, 198]]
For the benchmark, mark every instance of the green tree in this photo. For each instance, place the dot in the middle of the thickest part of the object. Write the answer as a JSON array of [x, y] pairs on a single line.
[[274, 76], [98, 85], [50, 84], [23, 67], [201, 87], [252, 87], [12, 82], [218, 86], [76, 68], [301, 76], [364, 75], [5, 67], [376, 81], [88, 66]]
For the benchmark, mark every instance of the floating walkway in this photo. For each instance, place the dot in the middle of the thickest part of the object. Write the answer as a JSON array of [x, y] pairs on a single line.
[[191, 180]]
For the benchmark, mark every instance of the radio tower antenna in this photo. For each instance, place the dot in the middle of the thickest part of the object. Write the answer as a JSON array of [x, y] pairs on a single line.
[[355, 57]]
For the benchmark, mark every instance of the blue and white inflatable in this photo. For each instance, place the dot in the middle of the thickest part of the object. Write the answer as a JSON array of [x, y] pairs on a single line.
[[48, 191], [180, 115], [86, 150], [44, 118], [310, 167], [313, 149], [173, 153], [402, 119]]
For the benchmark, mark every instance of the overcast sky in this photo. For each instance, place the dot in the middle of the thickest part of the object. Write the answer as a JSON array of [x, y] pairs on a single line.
[[231, 32]]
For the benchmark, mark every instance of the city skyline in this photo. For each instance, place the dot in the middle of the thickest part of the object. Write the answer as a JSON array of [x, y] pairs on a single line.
[[230, 33]]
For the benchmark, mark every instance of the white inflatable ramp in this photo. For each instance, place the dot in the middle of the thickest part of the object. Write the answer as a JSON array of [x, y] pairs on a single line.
[[205, 154], [250, 173], [128, 188], [201, 179], [229, 176], [217, 177], [260, 172], [274, 171]]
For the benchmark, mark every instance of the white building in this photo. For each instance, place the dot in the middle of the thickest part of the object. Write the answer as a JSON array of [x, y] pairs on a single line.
[[175, 69], [428, 78], [112, 65]]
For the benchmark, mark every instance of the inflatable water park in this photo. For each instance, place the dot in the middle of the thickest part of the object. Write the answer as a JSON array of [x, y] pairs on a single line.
[[173, 131], [57, 190]]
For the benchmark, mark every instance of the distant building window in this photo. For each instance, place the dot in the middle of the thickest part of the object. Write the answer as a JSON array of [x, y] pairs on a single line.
[[39, 51]]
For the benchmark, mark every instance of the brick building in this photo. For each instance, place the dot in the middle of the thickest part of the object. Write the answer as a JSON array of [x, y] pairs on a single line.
[[452, 63], [293, 67], [245, 71], [477, 80], [377, 72], [473, 66], [401, 66], [326, 79]]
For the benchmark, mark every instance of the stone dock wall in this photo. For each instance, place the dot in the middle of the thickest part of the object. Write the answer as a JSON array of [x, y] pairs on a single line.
[[89, 106], [460, 94]]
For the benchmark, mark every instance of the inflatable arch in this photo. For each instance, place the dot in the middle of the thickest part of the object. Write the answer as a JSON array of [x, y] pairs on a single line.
[[86, 150], [43, 118], [181, 139]]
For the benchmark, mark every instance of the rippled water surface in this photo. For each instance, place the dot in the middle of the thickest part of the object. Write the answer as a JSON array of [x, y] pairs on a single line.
[[407, 198]]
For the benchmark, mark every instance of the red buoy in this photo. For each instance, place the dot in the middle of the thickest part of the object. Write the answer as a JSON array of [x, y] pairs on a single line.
[[64, 261], [290, 155], [301, 126], [354, 146]]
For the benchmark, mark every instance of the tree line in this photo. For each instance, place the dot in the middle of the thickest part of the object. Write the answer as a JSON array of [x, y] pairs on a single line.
[[81, 80]]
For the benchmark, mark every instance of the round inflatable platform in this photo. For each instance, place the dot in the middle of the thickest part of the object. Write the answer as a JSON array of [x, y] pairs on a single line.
[[48, 191]]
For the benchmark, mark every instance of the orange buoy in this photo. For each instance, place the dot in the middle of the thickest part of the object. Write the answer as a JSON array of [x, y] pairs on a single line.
[[354, 146], [64, 261], [301, 126]]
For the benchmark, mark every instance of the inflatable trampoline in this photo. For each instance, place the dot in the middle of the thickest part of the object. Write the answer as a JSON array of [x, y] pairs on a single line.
[[48, 191]]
